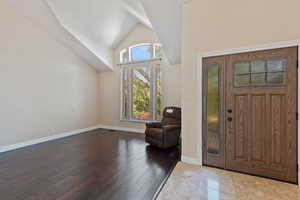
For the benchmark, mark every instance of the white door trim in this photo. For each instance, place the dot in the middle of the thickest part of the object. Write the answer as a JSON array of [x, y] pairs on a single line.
[[234, 51]]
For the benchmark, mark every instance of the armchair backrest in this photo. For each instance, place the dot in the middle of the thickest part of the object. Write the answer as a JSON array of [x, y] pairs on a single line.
[[171, 115]]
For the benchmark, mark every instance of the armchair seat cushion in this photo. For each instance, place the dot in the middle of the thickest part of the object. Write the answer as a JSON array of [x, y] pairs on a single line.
[[155, 133]]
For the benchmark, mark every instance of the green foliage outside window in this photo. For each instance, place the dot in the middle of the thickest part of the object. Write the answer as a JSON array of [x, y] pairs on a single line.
[[142, 108], [141, 95], [142, 90]]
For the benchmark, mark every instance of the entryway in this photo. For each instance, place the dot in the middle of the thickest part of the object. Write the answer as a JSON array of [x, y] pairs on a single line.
[[250, 113]]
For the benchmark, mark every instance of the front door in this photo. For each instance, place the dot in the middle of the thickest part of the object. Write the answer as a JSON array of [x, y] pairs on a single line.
[[260, 113]]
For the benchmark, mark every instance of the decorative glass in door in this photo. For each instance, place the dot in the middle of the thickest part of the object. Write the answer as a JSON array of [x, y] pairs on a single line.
[[213, 109]]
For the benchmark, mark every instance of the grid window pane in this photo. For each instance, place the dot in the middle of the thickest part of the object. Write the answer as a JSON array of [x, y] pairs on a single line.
[[142, 52], [242, 68], [242, 80], [276, 65], [276, 78], [258, 66], [141, 94], [261, 73], [258, 79]]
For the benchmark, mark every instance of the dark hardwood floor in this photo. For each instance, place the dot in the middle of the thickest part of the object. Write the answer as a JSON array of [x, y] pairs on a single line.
[[99, 165]]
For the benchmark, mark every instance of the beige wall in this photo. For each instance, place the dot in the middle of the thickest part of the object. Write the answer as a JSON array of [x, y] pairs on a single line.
[[211, 25], [110, 81], [44, 88]]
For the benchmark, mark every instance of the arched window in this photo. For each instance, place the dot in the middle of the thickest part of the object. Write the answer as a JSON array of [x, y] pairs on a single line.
[[141, 82], [141, 52]]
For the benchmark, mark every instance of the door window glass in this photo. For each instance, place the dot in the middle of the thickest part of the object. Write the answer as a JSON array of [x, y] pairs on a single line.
[[260, 73]]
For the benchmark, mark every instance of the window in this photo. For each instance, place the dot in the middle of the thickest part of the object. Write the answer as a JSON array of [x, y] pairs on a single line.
[[141, 52], [141, 83], [260, 73], [124, 56]]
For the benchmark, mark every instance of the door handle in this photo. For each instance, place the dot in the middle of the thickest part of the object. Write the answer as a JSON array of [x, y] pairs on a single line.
[[229, 111], [229, 119]]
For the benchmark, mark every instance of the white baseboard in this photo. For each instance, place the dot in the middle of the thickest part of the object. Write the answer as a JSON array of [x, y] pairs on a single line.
[[126, 129], [65, 134], [191, 160]]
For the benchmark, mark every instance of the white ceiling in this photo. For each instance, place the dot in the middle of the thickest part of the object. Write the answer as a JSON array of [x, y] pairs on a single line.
[[166, 19], [98, 21], [92, 29]]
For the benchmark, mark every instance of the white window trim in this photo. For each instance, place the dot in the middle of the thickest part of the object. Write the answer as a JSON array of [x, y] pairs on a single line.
[[132, 65], [135, 64], [121, 54], [154, 46]]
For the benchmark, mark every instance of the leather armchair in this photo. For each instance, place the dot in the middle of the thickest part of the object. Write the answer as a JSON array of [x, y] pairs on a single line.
[[165, 134]]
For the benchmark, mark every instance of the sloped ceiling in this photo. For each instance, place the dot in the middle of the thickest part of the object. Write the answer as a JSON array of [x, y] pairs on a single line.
[[39, 13], [135, 8], [92, 29], [100, 24], [166, 19]]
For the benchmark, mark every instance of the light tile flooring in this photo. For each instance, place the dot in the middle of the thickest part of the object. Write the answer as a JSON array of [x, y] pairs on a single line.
[[189, 182]]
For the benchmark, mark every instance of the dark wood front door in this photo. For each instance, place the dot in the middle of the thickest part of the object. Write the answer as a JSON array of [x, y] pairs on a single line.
[[259, 114]]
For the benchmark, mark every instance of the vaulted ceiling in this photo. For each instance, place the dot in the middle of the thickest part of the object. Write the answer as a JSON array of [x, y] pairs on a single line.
[[92, 29], [166, 19]]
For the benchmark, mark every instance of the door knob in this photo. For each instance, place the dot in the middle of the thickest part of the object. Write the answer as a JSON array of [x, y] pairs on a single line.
[[229, 111], [229, 119]]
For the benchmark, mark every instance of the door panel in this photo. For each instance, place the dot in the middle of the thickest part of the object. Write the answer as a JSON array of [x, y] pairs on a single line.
[[258, 125], [241, 126], [261, 133]]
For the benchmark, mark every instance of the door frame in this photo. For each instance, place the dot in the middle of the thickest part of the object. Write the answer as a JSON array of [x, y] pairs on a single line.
[[199, 108]]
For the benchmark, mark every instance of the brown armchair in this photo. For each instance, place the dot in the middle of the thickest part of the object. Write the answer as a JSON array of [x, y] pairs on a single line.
[[165, 134]]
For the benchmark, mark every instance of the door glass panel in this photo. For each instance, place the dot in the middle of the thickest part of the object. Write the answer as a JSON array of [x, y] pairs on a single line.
[[258, 79], [260, 73], [275, 78], [242, 80], [258, 66], [242, 68], [213, 110], [276, 65]]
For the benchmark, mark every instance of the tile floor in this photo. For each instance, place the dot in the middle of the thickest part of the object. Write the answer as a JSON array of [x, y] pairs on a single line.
[[189, 182]]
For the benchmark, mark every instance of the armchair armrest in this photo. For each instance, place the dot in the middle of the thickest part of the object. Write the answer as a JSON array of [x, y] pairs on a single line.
[[171, 127], [154, 125], [171, 135]]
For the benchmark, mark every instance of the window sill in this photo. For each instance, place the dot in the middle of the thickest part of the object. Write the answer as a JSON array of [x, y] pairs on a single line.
[[138, 121]]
